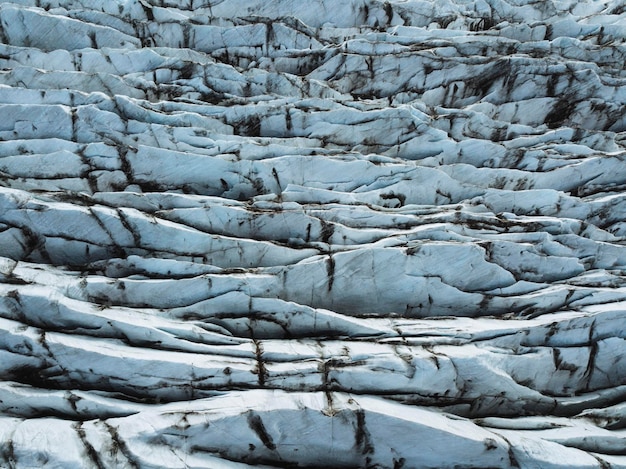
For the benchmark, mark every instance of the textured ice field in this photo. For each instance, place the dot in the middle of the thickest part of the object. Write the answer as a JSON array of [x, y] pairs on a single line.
[[349, 234]]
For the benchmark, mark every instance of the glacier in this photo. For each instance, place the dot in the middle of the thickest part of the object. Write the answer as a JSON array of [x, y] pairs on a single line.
[[382, 234]]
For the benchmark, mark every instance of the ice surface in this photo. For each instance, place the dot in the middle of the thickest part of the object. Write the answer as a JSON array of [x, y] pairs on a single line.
[[365, 233]]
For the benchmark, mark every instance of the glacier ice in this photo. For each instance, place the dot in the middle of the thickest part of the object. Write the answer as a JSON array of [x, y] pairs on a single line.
[[349, 234]]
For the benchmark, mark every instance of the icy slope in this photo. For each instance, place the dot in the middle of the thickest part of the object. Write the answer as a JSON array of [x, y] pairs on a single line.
[[313, 234]]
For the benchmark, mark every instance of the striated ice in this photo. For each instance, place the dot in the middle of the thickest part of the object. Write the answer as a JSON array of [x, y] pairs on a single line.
[[312, 234]]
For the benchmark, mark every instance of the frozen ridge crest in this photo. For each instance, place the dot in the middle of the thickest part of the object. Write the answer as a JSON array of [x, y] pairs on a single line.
[[357, 234]]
